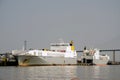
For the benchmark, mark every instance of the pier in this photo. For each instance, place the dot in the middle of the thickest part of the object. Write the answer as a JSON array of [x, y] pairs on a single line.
[[7, 59]]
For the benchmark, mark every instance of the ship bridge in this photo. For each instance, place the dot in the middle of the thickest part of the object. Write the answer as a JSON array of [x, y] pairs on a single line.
[[59, 46]]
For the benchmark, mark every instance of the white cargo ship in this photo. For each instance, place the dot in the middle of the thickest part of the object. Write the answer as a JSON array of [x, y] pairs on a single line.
[[93, 56], [58, 54]]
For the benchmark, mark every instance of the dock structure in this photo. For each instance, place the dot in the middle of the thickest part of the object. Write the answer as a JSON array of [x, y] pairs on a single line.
[[7, 59]]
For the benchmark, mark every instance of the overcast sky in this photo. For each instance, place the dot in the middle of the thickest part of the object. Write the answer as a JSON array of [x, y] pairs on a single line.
[[91, 23]]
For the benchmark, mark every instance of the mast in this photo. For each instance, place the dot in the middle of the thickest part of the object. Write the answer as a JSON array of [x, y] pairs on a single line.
[[25, 45]]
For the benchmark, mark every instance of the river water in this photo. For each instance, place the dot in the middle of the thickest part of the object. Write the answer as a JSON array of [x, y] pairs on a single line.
[[111, 72]]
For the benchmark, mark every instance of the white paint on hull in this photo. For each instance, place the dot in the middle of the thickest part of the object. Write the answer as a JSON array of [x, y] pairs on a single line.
[[39, 60]]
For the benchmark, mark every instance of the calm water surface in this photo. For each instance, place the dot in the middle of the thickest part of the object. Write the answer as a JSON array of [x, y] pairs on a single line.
[[61, 73]]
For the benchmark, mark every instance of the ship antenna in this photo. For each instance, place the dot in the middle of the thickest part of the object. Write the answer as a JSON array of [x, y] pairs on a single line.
[[25, 45]]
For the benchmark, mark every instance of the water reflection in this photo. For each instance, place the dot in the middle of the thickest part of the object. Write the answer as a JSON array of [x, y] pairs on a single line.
[[96, 72], [48, 73], [60, 73], [93, 72]]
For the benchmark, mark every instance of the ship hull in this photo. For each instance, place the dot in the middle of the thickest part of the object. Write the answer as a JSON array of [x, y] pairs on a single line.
[[100, 62], [40, 60], [95, 61]]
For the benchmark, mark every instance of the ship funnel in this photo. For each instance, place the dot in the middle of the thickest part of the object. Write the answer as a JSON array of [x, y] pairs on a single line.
[[72, 46]]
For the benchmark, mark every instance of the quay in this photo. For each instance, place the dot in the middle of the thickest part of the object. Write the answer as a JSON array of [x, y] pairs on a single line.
[[7, 59]]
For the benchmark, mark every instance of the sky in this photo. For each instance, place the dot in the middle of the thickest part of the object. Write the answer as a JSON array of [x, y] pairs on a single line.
[[90, 23]]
